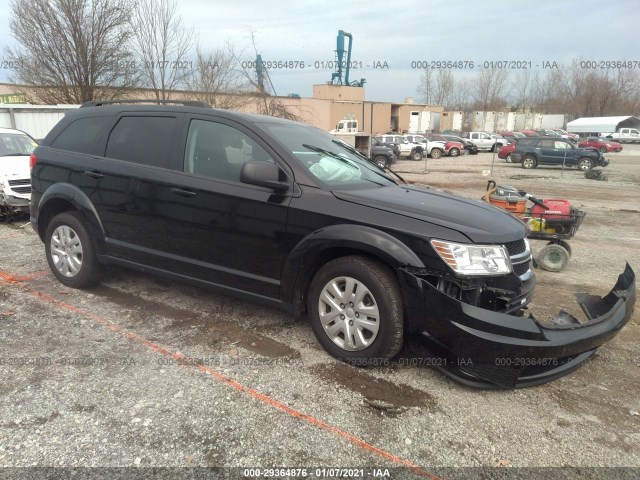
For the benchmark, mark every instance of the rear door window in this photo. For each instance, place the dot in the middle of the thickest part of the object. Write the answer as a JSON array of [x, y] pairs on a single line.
[[143, 139]]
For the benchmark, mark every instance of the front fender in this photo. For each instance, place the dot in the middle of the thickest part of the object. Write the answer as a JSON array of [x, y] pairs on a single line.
[[368, 240]]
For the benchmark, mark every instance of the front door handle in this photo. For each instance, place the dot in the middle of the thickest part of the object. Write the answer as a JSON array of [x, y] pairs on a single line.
[[183, 193], [93, 174]]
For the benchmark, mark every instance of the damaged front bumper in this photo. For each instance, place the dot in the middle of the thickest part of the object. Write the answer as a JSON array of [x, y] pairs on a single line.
[[487, 349]]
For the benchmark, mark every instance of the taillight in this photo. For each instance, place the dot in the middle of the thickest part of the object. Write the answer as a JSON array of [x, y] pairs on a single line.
[[32, 161]]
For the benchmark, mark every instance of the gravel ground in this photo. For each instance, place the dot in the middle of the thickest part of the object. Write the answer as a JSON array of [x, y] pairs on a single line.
[[106, 377]]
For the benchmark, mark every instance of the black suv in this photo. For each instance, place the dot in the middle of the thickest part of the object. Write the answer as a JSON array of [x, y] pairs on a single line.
[[556, 151], [287, 215], [382, 154]]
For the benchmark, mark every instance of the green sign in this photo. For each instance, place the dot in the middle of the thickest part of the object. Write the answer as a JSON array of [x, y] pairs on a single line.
[[13, 98]]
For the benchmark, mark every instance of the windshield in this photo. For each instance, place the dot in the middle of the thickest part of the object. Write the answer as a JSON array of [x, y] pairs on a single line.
[[334, 163], [16, 144]]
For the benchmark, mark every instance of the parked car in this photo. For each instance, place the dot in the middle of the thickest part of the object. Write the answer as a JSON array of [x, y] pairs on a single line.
[[452, 148], [506, 151], [414, 151], [15, 182], [605, 145], [284, 214], [509, 134], [549, 133], [630, 135], [556, 151], [484, 141], [434, 149], [469, 146], [574, 137], [382, 156], [529, 133], [376, 142]]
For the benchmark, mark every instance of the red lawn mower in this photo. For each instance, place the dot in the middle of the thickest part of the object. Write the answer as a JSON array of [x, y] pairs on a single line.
[[551, 219]]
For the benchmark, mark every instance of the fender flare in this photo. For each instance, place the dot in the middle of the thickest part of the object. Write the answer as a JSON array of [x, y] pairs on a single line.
[[368, 240], [81, 202]]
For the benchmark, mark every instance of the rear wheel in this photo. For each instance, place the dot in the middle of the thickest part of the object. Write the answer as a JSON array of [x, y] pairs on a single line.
[[70, 251], [585, 164], [454, 152], [416, 155], [436, 153], [553, 257], [355, 308], [529, 162], [509, 159], [603, 149]]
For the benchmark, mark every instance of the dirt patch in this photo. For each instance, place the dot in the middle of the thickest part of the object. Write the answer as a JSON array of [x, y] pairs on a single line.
[[378, 393]]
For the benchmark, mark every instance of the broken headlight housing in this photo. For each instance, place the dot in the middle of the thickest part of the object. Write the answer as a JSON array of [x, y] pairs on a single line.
[[469, 259]]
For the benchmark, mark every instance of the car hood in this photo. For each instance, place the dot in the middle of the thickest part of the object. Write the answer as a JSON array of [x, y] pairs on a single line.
[[478, 221], [15, 166]]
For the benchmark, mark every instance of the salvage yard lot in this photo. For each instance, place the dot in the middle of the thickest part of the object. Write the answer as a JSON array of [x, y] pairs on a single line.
[[109, 377]]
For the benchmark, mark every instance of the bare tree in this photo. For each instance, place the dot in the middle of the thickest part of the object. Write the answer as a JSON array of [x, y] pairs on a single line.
[[72, 51], [217, 80], [489, 88], [461, 95], [162, 46], [425, 89]]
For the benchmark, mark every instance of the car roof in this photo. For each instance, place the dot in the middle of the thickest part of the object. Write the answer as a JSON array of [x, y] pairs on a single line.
[[109, 110]]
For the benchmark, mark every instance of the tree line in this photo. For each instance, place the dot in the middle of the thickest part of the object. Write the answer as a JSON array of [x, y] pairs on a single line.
[[72, 51], [579, 90]]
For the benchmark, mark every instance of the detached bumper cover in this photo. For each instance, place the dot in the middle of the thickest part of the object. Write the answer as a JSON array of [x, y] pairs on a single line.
[[487, 349]]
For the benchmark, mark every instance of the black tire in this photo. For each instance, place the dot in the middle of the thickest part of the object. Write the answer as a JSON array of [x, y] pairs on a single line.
[[436, 153], [382, 285], [508, 159], [89, 270], [529, 162], [565, 245], [454, 152], [381, 161], [553, 257], [416, 155], [603, 149], [585, 164]]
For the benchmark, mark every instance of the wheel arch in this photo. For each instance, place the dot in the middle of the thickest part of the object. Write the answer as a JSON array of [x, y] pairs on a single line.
[[321, 246], [63, 197]]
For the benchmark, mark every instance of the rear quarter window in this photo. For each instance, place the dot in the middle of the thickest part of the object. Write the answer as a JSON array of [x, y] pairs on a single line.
[[82, 135]]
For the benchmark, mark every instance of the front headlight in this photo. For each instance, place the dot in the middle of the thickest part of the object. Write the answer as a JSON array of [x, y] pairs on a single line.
[[474, 259]]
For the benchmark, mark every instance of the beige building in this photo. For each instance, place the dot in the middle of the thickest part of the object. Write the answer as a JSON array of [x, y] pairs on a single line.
[[329, 104]]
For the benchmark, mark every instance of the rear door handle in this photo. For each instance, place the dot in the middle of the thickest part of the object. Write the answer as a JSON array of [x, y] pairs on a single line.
[[183, 193], [93, 174]]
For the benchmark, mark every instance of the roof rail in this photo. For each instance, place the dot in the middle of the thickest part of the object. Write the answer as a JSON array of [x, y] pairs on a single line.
[[186, 103]]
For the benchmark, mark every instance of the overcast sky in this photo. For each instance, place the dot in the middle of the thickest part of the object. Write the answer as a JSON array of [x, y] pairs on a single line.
[[399, 32]]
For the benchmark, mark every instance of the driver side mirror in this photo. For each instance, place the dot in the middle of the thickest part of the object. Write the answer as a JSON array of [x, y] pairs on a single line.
[[263, 174]]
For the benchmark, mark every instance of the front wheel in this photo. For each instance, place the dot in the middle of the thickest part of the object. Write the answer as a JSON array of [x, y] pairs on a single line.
[[355, 309], [509, 159], [70, 251], [553, 257], [416, 155], [436, 153], [381, 161], [454, 152], [585, 164], [603, 149]]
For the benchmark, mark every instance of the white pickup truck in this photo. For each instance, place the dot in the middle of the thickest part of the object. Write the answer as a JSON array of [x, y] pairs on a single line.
[[435, 149], [625, 135], [484, 140]]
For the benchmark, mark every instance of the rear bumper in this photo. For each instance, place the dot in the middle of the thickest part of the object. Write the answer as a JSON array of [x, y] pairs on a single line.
[[486, 349]]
